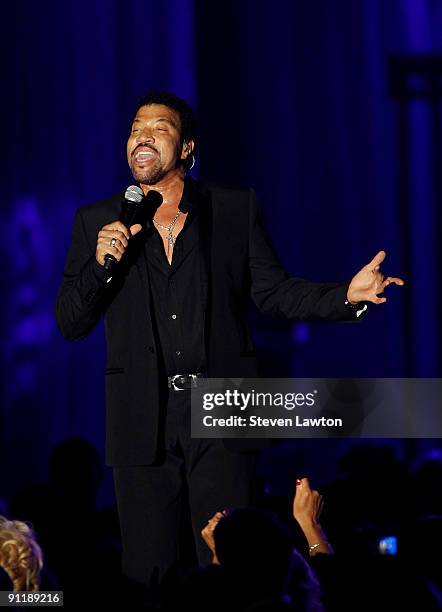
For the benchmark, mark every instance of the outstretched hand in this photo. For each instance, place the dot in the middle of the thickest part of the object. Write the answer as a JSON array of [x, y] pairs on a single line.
[[370, 282]]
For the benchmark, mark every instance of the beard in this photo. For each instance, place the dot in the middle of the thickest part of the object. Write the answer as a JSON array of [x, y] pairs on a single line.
[[149, 176]]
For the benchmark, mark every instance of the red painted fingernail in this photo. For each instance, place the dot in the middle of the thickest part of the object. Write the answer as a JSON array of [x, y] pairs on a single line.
[[298, 482]]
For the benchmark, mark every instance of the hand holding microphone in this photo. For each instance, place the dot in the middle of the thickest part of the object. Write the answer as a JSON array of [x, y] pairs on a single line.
[[113, 238]]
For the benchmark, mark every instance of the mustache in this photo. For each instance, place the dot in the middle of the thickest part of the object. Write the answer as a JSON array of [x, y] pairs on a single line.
[[144, 146]]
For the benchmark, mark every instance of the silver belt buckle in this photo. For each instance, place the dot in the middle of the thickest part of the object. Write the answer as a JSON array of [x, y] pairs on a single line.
[[173, 385]]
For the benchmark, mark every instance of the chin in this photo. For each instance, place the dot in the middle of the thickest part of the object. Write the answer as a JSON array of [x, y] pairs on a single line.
[[148, 177]]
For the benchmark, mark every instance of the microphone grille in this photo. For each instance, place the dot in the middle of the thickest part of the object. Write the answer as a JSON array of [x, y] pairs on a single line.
[[134, 194]]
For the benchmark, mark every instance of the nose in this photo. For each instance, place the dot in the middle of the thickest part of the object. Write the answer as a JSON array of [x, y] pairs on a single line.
[[145, 135]]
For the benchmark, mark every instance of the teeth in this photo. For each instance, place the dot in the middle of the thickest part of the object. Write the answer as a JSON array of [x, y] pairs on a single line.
[[144, 154]]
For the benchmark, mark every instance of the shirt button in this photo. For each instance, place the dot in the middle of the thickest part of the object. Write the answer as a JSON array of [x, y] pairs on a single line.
[[177, 353], [151, 349], [173, 316]]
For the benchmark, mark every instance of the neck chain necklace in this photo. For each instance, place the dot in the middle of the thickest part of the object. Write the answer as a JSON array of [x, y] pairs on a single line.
[[170, 238]]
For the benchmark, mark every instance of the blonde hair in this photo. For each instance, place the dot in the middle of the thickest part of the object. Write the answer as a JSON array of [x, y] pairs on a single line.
[[20, 555]]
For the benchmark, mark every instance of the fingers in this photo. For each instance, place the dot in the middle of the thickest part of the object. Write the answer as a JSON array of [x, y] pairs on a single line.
[[134, 229], [378, 286], [215, 519], [303, 484], [103, 250], [307, 503], [112, 239], [393, 279], [381, 285], [104, 247], [118, 226], [209, 528], [377, 260]]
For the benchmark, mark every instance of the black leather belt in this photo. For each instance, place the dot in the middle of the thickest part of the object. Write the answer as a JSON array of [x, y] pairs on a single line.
[[180, 382]]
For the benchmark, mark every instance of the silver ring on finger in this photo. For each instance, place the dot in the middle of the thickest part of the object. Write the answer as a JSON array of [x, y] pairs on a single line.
[[113, 242]]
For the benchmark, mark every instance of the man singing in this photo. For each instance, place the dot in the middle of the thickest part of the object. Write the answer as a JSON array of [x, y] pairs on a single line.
[[174, 308]]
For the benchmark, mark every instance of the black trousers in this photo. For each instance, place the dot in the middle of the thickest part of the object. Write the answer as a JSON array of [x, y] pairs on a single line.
[[200, 472]]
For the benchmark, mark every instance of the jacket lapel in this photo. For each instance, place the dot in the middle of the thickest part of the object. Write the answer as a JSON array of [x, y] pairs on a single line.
[[205, 235], [203, 201]]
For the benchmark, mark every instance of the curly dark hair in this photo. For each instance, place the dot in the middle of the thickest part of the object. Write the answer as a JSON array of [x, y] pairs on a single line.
[[187, 117]]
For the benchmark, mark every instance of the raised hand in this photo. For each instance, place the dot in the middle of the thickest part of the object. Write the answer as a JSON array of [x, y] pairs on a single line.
[[370, 282], [207, 533], [307, 506], [307, 503]]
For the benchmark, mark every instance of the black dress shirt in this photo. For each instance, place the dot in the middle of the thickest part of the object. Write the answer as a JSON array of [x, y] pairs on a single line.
[[176, 294]]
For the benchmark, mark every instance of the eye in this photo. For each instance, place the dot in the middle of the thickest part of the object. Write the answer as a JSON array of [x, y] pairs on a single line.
[[162, 129], [135, 130]]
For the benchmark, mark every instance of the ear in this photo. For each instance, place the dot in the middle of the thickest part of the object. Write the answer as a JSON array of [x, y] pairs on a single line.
[[187, 149]]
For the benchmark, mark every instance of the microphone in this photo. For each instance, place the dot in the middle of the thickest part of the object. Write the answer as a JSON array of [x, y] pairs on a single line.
[[135, 208]]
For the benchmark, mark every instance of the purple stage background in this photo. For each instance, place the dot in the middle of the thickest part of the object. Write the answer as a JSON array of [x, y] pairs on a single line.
[[294, 98]]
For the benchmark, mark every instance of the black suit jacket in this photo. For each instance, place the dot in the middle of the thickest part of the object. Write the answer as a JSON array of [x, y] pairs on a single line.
[[238, 262]]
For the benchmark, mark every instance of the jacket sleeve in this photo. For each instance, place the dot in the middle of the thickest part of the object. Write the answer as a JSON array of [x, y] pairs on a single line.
[[276, 293], [81, 298]]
